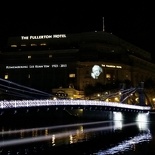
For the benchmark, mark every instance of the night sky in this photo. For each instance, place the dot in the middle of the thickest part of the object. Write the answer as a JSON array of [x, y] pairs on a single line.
[[133, 22]]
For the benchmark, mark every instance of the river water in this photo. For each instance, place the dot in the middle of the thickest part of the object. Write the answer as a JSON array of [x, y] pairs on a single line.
[[82, 138]]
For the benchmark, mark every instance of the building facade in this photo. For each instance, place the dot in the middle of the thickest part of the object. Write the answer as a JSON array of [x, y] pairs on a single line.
[[60, 61]]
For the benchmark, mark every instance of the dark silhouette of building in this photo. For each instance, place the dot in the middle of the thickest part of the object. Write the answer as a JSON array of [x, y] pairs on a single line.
[[56, 61]]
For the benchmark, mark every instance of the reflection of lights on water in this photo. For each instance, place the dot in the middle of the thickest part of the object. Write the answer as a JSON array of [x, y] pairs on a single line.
[[3, 132], [80, 130], [142, 117], [78, 135], [70, 139], [118, 125], [142, 126], [36, 138], [142, 120], [128, 144], [73, 135], [56, 135], [35, 133], [53, 140], [117, 116], [46, 131]]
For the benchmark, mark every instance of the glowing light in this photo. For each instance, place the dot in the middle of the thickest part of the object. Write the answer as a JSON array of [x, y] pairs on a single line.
[[116, 99], [142, 117], [96, 71], [56, 135], [53, 127], [53, 140], [118, 125], [117, 116], [142, 121], [126, 145], [71, 139], [60, 102]]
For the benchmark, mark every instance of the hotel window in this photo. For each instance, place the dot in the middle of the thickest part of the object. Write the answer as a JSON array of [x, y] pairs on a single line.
[[13, 45], [108, 76], [33, 44], [23, 44], [50, 56], [6, 76], [43, 44], [29, 56], [72, 75]]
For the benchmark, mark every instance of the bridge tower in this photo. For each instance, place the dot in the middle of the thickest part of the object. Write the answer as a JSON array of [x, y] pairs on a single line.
[[126, 94], [122, 95], [141, 94]]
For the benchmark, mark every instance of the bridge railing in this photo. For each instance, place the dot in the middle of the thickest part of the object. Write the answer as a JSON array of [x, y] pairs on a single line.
[[36, 103]]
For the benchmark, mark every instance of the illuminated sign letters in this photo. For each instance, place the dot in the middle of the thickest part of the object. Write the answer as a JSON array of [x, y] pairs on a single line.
[[37, 66], [43, 37]]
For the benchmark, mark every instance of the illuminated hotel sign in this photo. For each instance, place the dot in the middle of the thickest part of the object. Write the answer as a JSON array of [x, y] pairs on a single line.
[[43, 37], [111, 66]]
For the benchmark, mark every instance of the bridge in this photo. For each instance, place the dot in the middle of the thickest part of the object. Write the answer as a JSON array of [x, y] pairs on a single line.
[[28, 98], [74, 104]]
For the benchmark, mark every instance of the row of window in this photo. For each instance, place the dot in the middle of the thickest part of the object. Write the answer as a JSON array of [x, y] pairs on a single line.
[[6, 76], [24, 45]]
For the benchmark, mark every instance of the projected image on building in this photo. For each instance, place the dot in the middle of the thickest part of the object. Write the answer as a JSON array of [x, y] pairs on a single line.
[[96, 71]]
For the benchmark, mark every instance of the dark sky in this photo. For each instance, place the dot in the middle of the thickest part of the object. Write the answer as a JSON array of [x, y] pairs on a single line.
[[133, 22]]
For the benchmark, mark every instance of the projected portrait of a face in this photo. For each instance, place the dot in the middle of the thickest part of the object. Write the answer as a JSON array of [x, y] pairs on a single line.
[[96, 71]]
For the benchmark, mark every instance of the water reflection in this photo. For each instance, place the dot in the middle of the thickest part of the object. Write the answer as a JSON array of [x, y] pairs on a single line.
[[70, 134], [118, 125], [127, 144], [73, 135], [76, 131], [11, 131], [142, 121]]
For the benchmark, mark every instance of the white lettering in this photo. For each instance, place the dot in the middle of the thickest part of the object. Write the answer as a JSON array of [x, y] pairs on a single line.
[[118, 66], [43, 37], [63, 65], [111, 66], [55, 65], [46, 66], [16, 67], [59, 36], [38, 66], [24, 37], [31, 66]]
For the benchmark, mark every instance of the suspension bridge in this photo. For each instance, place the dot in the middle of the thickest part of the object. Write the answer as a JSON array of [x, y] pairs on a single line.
[[27, 97]]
